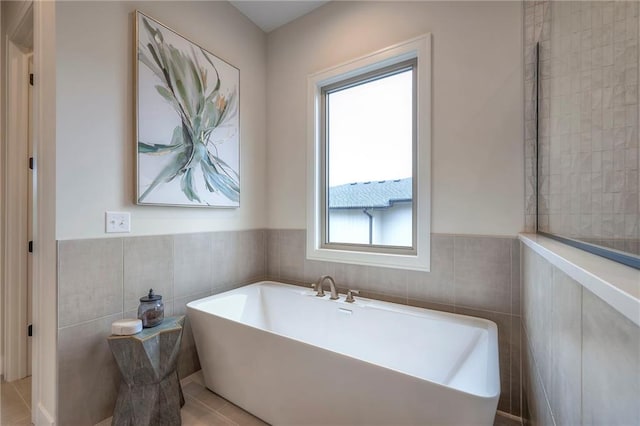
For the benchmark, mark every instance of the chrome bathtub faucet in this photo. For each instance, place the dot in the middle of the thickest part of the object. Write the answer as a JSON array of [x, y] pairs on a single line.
[[332, 285]]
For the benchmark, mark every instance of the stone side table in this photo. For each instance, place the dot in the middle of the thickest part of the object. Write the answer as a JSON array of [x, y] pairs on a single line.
[[150, 392]]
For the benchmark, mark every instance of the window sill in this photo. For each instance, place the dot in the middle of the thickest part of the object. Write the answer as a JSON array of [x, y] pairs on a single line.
[[419, 262], [385, 260], [616, 284]]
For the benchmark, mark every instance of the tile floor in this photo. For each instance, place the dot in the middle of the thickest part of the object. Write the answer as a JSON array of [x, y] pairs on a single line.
[[15, 403], [205, 408], [202, 408]]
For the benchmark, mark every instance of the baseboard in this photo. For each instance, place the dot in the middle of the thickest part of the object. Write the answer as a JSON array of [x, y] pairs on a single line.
[[509, 416], [43, 417]]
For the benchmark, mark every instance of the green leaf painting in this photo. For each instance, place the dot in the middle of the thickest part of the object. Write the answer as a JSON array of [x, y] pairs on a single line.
[[188, 122]]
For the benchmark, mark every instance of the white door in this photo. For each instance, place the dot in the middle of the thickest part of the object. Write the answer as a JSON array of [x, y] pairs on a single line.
[[30, 220], [16, 215]]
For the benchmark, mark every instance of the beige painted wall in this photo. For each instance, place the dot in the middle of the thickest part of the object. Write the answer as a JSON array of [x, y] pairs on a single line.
[[95, 115], [477, 151]]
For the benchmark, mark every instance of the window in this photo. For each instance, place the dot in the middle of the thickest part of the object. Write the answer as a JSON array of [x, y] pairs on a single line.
[[369, 159], [368, 139]]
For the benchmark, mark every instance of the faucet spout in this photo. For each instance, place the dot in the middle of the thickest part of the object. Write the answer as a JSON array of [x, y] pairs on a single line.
[[332, 286]]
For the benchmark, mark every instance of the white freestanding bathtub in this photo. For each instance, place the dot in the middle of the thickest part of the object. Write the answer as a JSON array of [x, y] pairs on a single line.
[[292, 358]]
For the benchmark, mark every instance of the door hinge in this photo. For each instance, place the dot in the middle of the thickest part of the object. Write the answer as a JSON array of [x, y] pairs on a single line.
[[31, 79], [30, 246], [30, 330], [31, 163]]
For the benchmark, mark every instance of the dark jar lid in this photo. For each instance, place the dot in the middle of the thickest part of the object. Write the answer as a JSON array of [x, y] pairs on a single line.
[[151, 297]]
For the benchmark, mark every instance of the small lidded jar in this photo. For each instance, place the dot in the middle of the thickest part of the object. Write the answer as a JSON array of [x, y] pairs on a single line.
[[151, 310]]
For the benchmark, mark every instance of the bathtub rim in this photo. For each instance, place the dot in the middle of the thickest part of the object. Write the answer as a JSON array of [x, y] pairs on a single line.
[[360, 301]]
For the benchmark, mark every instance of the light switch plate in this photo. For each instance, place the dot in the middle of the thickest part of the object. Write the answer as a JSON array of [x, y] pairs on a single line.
[[117, 222]]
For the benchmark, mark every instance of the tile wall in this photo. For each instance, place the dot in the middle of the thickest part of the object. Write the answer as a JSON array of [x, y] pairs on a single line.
[[470, 275], [588, 119], [590, 148], [101, 280], [581, 358]]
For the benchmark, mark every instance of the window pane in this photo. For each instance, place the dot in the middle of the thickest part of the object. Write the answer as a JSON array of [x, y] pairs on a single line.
[[369, 130]]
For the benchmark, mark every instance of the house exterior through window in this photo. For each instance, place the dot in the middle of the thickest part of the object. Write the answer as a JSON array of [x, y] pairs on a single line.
[[374, 213]]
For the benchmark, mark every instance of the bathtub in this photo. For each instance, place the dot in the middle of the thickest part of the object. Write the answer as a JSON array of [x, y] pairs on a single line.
[[291, 358]]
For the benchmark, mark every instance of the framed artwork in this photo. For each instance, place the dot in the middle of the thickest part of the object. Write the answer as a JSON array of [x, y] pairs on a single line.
[[187, 121]]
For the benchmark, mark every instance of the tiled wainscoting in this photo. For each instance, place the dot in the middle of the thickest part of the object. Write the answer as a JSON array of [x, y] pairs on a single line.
[[470, 275], [581, 357], [101, 280]]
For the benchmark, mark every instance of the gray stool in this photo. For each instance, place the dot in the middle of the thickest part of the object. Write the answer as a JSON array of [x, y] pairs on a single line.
[[150, 392]]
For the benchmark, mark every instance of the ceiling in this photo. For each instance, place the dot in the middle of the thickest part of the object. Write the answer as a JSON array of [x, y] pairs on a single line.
[[270, 15]]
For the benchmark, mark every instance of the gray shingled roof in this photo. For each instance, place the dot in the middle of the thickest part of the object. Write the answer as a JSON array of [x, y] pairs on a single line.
[[377, 194]]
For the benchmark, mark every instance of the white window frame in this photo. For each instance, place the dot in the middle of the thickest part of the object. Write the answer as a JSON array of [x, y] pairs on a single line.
[[420, 49]]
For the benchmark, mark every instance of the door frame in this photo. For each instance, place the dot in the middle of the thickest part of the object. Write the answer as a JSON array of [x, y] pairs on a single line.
[[16, 181], [36, 20]]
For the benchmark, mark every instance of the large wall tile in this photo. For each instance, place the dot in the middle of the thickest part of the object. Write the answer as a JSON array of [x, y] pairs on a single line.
[[538, 284], [525, 389], [192, 269], [431, 305], [515, 374], [188, 361], [436, 285], [90, 279], [350, 276], [387, 281], [529, 265], [272, 254], [223, 259], [482, 272], [565, 395], [314, 269], [148, 263], [516, 278], [88, 376], [292, 254], [610, 365], [250, 256], [537, 401], [180, 304]]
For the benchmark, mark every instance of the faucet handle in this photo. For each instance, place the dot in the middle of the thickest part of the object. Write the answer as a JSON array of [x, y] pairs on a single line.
[[350, 294], [318, 288]]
